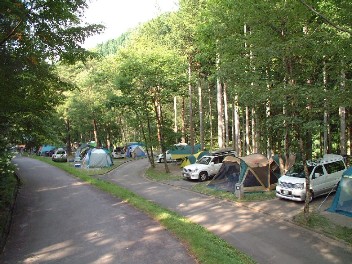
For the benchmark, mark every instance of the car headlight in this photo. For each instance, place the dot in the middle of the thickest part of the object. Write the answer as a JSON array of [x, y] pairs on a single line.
[[299, 186]]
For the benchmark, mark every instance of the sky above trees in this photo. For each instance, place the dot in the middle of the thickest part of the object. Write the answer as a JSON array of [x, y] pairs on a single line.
[[118, 16]]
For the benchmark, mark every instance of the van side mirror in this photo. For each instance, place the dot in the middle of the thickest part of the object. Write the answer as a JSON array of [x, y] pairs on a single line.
[[316, 175], [211, 163]]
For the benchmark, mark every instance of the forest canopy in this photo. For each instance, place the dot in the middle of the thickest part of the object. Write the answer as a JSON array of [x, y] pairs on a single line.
[[258, 76]]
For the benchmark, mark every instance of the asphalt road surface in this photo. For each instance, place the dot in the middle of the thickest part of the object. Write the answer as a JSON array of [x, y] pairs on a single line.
[[58, 219], [268, 238]]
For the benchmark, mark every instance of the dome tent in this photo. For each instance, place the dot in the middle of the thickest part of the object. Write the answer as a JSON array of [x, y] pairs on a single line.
[[342, 203], [135, 151], [97, 158], [255, 172]]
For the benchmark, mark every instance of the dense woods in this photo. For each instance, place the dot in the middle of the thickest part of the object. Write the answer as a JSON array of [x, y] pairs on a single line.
[[270, 77]]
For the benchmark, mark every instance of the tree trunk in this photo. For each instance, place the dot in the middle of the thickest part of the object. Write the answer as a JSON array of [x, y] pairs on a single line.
[[210, 116], [183, 123], [95, 132], [68, 138], [226, 116], [342, 113], [201, 125], [190, 93], [254, 132], [247, 132], [326, 121], [159, 122], [219, 100], [307, 176], [237, 129], [175, 116]]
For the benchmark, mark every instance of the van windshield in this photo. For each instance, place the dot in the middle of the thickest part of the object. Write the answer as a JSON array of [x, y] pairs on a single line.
[[297, 171], [204, 160]]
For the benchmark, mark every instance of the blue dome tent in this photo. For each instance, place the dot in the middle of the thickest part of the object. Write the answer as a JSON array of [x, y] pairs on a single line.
[[342, 203]]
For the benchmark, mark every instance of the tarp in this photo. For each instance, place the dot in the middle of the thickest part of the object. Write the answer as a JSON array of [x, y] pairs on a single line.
[[342, 202], [255, 172], [81, 152], [182, 151], [45, 148], [191, 159], [97, 158]]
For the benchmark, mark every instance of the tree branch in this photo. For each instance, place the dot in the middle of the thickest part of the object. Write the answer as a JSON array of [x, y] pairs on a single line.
[[326, 19]]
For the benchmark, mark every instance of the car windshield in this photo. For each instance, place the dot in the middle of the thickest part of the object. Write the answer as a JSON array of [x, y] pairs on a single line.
[[204, 160], [297, 171]]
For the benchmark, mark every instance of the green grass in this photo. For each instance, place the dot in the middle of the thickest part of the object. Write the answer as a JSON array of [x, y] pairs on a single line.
[[248, 197], [160, 176], [321, 224], [203, 245]]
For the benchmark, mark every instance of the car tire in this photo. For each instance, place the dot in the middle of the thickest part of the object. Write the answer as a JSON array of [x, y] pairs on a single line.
[[203, 176], [311, 196], [161, 160]]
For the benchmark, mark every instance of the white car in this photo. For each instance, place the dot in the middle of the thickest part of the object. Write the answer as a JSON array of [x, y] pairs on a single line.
[[203, 169], [118, 153], [325, 175], [168, 157], [59, 155]]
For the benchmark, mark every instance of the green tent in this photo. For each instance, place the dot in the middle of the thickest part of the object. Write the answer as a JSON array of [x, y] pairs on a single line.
[[255, 172], [342, 203]]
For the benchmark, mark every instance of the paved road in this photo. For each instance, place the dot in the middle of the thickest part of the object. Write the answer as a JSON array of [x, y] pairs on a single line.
[[58, 219], [266, 238]]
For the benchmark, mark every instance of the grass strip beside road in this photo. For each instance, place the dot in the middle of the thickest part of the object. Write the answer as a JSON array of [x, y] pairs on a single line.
[[203, 245], [321, 224]]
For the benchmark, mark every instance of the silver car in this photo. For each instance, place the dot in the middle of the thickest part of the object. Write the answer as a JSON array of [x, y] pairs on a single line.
[[59, 155]]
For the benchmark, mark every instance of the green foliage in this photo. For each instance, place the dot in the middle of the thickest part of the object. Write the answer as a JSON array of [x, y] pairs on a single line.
[[32, 34]]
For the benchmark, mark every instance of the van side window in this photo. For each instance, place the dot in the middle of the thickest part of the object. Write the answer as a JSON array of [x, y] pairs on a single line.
[[334, 166], [216, 160], [319, 169]]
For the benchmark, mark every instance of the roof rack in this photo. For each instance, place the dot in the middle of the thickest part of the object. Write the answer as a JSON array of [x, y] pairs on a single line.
[[222, 152]]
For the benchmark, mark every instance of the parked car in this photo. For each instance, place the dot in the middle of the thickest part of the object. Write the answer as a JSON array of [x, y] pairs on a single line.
[[324, 174], [168, 157], [204, 169], [118, 153], [59, 155]]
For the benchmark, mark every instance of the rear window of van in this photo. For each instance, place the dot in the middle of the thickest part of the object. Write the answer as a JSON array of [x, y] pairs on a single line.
[[334, 166]]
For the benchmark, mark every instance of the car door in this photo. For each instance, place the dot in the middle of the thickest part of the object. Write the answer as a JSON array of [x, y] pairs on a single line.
[[217, 165], [318, 180]]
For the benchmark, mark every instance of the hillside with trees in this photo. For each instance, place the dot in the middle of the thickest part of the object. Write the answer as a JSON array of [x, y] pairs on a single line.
[[270, 77]]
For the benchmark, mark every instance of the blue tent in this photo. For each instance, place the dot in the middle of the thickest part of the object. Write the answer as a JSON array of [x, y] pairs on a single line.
[[342, 203], [45, 148], [135, 151]]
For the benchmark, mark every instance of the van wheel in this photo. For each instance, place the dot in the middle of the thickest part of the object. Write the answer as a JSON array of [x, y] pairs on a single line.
[[311, 196], [203, 176]]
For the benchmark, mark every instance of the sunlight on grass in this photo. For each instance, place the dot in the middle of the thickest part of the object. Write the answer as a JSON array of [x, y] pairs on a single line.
[[254, 196], [155, 175]]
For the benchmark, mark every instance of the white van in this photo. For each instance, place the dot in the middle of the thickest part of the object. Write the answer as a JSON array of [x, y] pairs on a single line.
[[324, 174]]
